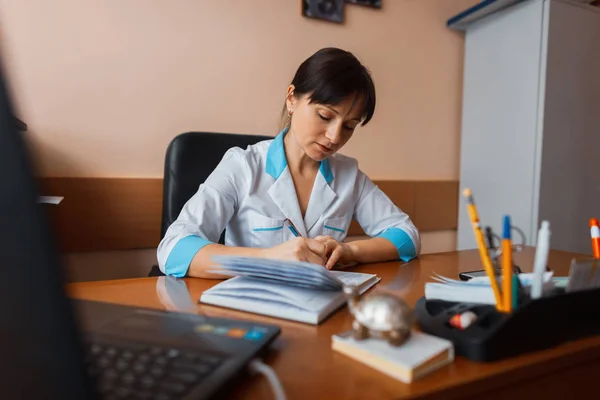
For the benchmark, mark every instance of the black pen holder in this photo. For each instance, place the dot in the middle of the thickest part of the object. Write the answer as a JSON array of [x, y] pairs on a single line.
[[535, 325]]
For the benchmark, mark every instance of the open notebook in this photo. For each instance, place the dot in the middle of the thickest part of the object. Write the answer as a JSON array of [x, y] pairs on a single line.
[[291, 290]]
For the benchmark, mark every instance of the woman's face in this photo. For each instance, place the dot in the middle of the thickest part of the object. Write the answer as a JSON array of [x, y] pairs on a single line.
[[319, 129]]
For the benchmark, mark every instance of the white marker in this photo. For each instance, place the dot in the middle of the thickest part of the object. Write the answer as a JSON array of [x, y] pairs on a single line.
[[541, 258]]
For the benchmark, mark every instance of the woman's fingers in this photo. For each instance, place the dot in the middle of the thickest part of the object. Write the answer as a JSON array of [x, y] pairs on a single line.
[[316, 247], [334, 258], [314, 258], [323, 238]]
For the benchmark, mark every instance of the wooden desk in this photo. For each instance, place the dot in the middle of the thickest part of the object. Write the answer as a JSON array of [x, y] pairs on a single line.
[[309, 369]]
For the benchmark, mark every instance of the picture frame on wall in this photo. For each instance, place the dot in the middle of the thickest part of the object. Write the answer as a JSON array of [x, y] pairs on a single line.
[[366, 3], [326, 10]]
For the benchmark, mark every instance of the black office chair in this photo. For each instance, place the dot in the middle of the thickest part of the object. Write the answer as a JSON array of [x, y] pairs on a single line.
[[190, 159]]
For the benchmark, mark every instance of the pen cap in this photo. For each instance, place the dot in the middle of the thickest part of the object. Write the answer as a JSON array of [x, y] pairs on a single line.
[[545, 226], [506, 233], [594, 228], [543, 241]]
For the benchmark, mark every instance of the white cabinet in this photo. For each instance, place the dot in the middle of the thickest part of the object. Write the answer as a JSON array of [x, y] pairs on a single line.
[[530, 139]]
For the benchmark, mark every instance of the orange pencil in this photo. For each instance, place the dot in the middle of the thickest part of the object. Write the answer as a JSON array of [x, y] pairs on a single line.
[[507, 266], [595, 233]]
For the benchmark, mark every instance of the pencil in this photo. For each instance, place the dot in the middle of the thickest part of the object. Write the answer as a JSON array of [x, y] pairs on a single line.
[[507, 271], [483, 252]]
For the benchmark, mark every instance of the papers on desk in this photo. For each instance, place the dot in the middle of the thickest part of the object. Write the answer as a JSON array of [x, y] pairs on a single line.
[[476, 290], [283, 289], [583, 274]]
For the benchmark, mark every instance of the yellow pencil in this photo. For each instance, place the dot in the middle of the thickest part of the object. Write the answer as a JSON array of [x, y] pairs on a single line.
[[483, 253]]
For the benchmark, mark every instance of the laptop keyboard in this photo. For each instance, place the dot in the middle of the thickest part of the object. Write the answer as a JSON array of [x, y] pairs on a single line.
[[138, 372]]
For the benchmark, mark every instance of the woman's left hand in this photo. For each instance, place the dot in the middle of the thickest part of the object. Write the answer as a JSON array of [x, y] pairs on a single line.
[[336, 251]]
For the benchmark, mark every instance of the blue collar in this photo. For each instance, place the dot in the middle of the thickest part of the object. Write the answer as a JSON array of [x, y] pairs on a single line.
[[276, 161]]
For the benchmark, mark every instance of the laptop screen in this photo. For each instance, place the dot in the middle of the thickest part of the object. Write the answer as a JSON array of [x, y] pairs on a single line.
[[39, 346]]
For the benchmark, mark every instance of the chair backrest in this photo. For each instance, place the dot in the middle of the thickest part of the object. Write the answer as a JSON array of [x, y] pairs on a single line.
[[191, 157]]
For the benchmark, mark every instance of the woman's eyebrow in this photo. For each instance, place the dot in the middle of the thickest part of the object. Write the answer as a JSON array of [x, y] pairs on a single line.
[[332, 109]]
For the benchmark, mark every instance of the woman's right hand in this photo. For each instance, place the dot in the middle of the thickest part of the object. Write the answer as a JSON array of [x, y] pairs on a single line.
[[299, 249]]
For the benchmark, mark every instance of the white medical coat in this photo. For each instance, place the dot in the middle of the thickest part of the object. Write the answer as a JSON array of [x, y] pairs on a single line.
[[251, 196]]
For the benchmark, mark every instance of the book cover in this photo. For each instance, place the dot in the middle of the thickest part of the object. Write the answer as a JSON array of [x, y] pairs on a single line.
[[420, 355]]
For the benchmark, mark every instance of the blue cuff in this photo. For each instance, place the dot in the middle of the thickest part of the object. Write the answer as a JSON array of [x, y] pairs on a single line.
[[182, 254], [403, 242]]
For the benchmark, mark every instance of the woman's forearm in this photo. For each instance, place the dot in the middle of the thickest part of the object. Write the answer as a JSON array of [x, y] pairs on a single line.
[[363, 251], [373, 250], [202, 262]]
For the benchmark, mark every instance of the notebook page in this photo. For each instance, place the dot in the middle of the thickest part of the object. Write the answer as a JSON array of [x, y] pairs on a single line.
[[309, 299], [289, 272], [306, 282], [260, 296], [352, 278]]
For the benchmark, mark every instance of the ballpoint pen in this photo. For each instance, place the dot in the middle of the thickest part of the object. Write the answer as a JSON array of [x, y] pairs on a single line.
[[507, 266], [483, 252], [293, 228]]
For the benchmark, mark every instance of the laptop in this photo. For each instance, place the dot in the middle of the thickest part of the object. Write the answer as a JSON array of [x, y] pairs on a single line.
[[52, 347]]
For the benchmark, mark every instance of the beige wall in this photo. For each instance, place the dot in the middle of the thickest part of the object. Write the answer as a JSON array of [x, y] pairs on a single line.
[[105, 84]]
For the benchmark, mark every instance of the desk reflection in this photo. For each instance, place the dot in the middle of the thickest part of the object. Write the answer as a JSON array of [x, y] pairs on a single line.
[[173, 293]]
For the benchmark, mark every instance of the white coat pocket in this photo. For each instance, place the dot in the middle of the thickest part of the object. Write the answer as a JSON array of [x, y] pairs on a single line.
[[337, 228], [265, 231]]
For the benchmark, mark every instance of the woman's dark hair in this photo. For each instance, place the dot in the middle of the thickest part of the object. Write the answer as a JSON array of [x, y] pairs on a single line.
[[331, 75]]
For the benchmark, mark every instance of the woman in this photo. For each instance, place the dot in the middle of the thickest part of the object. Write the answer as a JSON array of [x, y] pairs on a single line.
[[293, 197]]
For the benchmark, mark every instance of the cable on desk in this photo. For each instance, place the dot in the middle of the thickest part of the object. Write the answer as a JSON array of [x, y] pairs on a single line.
[[258, 367]]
